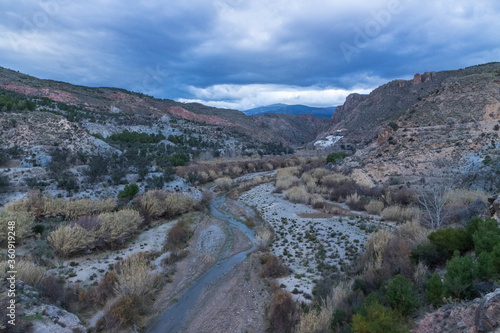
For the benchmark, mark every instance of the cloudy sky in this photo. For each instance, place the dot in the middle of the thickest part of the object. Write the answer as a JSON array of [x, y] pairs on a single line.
[[245, 53]]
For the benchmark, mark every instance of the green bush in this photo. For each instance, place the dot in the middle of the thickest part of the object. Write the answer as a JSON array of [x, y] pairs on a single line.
[[489, 264], [434, 290], [449, 240], [459, 276], [486, 236], [401, 295], [335, 157], [378, 319], [427, 253], [128, 191]]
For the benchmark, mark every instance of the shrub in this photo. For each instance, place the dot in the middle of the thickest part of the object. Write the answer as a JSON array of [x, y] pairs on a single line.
[[178, 236], [128, 191], [285, 182], [151, 204], [118, 226], [374, 207], [125, 312], [29, 273], [283, 312], [459, 276], [489, 264], [378, 319], [335, 157], [427, 252], [401, 295], [51, 288], [399, 213], [272, 267], [317, 201], [434, 290], [297, 194], [486, 236], [174, 256], [23, 224], [134, 276], [177, 204], [315, 321], [450, 240], [224, 183], [356, 202], [68, 240]]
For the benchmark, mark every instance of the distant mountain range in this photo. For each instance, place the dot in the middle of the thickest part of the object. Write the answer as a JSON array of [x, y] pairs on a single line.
[[291, 109]]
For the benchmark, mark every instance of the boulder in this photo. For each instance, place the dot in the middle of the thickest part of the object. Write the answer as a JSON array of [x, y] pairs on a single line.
[[487, 316]]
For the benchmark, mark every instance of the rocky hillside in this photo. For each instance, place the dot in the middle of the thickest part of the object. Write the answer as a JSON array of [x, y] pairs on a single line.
[[440, 124], [114, 101]]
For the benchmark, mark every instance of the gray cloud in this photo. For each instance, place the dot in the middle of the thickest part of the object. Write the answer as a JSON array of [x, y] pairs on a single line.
[[190, 50]]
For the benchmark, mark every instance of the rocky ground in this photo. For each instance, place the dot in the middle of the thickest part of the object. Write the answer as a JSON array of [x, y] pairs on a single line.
[[308, 245]]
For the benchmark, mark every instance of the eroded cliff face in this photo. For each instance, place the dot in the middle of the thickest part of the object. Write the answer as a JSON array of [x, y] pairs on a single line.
[[438, 125]]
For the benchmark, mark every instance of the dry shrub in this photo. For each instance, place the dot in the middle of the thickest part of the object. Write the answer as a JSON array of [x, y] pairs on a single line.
[[84, 207], [29, 272], [174, 257], [319, 173], [317, 201], [283, 313], [134, 276], [315, 321], [88, 223], [343, 189], [23, 224], [400, 213], [396, 258], [405, 196], [117, 227], [297, 194], [333, 179], [45, 206], [272, 267], [421, 274], [466, 197], [375, 207], [98, 294], [151, 204], [178, 236], [68, 240], [414, 232], [125, 312], [340, 293], [284, 182], [373, 256], [224, 183], [177, 204], [51, 288], [289, 171]]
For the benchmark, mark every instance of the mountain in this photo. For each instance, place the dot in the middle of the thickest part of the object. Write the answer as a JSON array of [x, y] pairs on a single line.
[[106, 101], [291, 109], [440, 125]]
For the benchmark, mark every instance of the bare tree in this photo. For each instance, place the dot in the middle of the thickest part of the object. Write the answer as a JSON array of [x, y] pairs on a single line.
[[434, 201]]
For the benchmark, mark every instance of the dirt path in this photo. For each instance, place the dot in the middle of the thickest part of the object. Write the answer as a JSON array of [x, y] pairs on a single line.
[[176, 317]]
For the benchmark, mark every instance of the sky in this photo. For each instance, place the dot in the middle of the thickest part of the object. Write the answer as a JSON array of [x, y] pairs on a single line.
[[242, 54]]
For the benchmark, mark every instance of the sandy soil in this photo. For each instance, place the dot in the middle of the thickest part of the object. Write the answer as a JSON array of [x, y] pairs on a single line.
[[235, 304], [90, 268], [305, 243]]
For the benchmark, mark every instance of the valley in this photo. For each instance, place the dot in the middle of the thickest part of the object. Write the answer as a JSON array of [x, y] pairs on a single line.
[[141, 214]]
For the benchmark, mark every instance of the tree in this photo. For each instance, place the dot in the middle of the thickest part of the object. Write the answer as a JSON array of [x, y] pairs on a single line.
[[401, 295], [434, 290], [128, 192], [434, 201], [459, 276]]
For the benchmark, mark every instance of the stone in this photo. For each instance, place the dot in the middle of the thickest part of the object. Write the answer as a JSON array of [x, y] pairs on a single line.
[[487, 316]]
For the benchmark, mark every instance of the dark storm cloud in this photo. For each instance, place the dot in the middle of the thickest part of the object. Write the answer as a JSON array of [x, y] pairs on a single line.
[[235, 53]]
